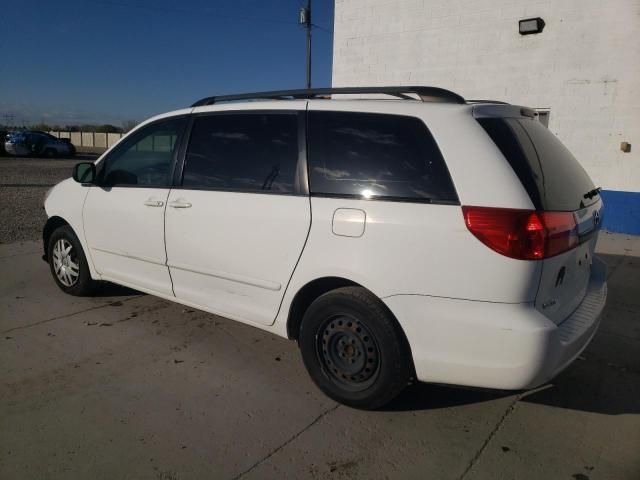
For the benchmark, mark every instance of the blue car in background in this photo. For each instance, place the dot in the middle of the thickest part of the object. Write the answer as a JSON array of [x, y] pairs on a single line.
[[26, 142]]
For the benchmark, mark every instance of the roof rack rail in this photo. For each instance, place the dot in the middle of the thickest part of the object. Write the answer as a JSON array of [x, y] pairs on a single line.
[[488, 101], [425, 94]]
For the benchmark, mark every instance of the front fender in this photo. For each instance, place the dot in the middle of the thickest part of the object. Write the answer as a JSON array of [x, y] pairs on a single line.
[[66, 202]]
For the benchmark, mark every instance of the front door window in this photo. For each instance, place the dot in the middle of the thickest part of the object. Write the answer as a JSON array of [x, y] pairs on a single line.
[[145, 159]]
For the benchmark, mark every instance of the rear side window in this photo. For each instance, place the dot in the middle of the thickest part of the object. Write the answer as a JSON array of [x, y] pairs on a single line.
[[376, 156], [243, 152], [552, 176]]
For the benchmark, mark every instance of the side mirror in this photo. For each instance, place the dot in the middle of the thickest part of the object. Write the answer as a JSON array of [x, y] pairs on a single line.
[[84, 172]]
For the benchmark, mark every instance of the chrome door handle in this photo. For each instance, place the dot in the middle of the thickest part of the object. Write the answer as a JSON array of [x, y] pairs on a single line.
[[179, 204], [154, 203]]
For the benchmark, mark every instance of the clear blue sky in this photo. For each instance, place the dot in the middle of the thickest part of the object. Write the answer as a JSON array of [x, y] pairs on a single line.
[[107, 61]]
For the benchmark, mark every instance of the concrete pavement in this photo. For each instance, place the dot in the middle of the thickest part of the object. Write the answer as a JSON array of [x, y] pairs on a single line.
[[125, 385]]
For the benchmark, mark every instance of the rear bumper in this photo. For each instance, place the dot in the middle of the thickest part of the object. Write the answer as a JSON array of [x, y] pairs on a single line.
[[496, 345]]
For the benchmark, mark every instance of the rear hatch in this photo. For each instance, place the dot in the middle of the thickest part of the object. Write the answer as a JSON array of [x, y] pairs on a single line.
[[556, 182]]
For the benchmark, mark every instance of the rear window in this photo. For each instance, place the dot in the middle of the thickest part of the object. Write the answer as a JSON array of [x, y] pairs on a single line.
[[552, 176], [380, 156]]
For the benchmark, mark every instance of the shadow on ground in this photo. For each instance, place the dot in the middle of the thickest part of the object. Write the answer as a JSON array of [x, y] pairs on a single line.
[[424, 396], [591, 384], [106, 289]]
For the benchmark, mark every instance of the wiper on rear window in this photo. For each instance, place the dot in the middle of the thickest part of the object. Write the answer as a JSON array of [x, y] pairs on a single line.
[[592, 193]]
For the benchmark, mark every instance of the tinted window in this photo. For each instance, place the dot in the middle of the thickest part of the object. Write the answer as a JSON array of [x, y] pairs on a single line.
[[549, 172], [376, 155], [243, 152], [145, 158]]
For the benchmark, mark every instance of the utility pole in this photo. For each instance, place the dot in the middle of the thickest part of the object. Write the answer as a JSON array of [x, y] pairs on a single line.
[[8, 118], [305, 19]]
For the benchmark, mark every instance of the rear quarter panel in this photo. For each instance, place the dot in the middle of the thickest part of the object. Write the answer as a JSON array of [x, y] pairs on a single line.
[[412, 249], [417, 248]]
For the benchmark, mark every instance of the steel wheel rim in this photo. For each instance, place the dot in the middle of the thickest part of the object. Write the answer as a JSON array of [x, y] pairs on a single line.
[[348, 352], [65, 263]]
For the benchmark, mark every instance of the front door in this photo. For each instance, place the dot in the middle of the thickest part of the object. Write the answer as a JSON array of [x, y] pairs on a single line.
[[124, 213], [237, 225]]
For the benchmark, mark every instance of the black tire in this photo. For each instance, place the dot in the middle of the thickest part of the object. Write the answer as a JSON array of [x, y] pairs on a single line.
[[50, 153], [353, 348], [80, 284]]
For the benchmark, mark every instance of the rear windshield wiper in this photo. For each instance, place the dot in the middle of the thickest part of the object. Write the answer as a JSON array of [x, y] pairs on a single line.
[[592, 193]]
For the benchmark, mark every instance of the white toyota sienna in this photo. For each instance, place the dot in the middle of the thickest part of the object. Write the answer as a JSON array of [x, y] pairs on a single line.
[[409, 236]]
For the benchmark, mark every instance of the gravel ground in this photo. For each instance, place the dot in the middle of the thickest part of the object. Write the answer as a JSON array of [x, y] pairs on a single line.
[[23, 183]]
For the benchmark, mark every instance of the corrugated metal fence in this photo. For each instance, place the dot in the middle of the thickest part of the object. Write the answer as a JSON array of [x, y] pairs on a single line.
[[90, 139]]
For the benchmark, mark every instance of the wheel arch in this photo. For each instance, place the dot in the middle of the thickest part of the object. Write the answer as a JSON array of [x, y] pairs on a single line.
[[305, 296], [314, 289], [50, 226]]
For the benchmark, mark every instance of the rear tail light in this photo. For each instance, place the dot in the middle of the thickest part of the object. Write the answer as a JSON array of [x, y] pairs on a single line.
[[523, 234]]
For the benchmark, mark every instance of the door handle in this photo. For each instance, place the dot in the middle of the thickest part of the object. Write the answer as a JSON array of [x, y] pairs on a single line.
[[179, 204], [153, 203]]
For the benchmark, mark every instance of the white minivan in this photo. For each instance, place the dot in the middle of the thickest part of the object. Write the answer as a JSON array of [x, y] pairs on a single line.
[[398, 234]]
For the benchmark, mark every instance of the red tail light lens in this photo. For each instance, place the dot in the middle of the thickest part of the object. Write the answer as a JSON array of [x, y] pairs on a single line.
[[523, 234]]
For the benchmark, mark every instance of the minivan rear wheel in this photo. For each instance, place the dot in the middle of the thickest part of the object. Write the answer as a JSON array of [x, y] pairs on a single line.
[[353, 348]]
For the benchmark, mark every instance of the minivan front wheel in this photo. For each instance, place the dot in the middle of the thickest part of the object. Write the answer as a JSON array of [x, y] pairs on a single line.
[[353, 348], [68, 263]]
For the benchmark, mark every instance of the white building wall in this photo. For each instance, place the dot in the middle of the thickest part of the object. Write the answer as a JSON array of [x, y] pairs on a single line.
[[584, 66]]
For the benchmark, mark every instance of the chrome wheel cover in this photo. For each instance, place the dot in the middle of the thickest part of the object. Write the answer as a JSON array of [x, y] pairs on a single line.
[[65, 263]]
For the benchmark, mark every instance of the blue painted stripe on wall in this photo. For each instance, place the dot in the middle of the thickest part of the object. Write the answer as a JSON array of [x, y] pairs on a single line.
[[621, 211]]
